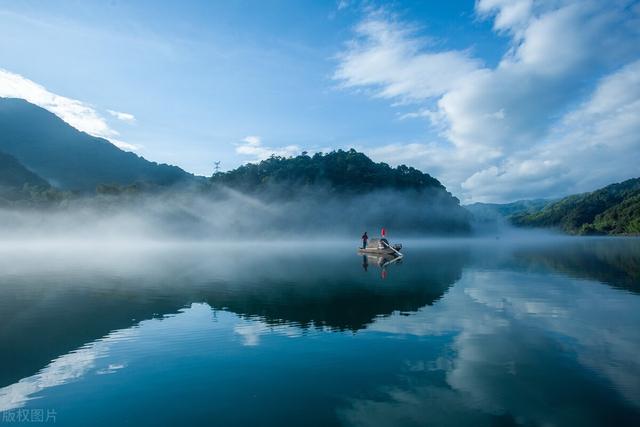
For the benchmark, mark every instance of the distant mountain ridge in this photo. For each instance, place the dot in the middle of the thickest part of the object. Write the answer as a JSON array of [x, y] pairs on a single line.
[[68, 158], [491, 211], [614, 209]]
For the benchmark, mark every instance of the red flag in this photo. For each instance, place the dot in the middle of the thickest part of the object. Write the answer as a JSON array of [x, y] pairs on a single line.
[[383, 232]]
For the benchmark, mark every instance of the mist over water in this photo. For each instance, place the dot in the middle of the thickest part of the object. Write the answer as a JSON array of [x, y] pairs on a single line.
[[111, 306], [472, 331], [196, 214]]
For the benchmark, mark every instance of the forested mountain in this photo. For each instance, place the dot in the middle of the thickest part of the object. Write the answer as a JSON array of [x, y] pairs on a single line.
[[341, 171], [49, 163], [70, 159], [614, 209], [346, 188]]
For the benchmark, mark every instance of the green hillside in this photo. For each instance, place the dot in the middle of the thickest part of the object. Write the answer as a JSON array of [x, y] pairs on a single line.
[[69, 159], [341, 171], [614, 209], [343, 188]]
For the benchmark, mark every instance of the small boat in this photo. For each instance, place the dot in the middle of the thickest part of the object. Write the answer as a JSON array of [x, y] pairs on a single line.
[[381, 247]]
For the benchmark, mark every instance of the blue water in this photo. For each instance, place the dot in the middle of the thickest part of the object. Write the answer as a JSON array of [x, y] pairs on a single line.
[[460, 332]]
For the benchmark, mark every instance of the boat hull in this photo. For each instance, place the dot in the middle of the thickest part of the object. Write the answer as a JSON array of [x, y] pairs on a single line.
[[376, 251], [381, 247]]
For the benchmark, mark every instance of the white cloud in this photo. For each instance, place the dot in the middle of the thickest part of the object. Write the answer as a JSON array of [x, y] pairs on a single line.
[[78, 114], [125, 117], [389, 57], [513, 130], [511, 15], [253, 141], [64, 369], [123, 145], [252, 146], [594, 144]]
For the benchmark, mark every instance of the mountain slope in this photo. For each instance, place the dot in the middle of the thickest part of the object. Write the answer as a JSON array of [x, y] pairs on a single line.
[[68, 158], [20, 187], [614, 209], [14, 175], [623, 218]]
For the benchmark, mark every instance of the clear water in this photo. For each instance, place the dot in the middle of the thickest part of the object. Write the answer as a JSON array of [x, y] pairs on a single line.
[[461, 332]]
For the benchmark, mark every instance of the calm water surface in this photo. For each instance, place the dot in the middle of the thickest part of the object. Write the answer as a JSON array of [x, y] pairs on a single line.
[[472, 333]]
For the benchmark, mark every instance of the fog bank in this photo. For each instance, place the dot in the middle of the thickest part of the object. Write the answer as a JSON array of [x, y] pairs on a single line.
[[175, 215]]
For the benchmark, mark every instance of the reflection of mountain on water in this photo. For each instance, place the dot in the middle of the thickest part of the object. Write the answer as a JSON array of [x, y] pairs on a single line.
[[40, 321], [56, 307], [339, 296], [615, 261]]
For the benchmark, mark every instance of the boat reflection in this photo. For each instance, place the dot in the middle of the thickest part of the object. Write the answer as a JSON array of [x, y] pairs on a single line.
[[381, 261]]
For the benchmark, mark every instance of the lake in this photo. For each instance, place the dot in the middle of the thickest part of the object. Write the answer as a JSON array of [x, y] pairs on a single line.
[[542, 332]]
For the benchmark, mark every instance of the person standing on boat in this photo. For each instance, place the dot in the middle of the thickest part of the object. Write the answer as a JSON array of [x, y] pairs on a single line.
[[365, 238]]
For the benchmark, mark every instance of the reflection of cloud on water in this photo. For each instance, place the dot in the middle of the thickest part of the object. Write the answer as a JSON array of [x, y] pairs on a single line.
[[93, 358], [97, 357], [424, 405], [252, 330], [112, 368], [516, 340], [79, 363], [62, 370], [595, 322]]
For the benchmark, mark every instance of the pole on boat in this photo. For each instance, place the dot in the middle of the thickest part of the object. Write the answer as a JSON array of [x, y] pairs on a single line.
[[394, 249], [383, 233]]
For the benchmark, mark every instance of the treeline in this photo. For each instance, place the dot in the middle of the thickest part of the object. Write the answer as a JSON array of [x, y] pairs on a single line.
[[614, 209], [341, 171]]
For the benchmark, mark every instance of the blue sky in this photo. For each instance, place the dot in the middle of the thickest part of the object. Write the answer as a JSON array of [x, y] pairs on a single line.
[[498, 99]]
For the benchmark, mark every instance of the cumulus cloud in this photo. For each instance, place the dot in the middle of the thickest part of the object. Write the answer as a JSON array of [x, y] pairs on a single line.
[[391, 58], [252, 146], [510, 15], [594, 144], [78, 114], [517, 129]]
